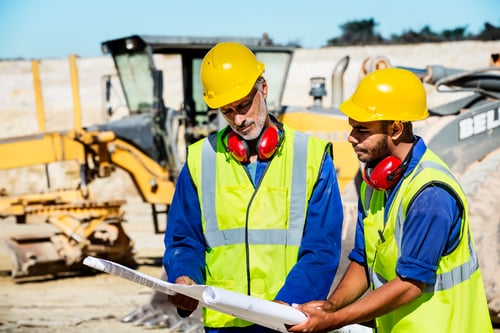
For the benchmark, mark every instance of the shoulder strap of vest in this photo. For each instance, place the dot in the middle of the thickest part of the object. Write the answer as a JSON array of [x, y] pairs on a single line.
[[443, 179]]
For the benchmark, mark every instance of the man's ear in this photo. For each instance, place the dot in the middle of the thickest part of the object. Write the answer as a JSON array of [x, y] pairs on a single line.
[[397, 129], [264, 89]]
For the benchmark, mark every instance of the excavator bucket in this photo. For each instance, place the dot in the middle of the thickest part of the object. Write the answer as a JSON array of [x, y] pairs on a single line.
[[58, 254], [35, 256], [79, 227]]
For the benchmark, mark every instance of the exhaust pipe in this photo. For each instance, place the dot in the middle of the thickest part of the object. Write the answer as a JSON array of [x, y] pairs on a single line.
[[338, 81]]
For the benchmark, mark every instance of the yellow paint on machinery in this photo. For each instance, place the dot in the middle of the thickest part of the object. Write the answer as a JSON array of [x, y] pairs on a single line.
[[330, 127]]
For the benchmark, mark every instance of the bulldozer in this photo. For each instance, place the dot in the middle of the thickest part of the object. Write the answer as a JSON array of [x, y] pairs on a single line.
[[150, 140]]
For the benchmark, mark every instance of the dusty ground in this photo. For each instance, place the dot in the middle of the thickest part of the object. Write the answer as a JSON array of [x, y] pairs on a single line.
[[84, 304]]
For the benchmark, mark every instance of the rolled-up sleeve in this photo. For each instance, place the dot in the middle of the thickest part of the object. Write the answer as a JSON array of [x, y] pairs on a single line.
[[431, 230]]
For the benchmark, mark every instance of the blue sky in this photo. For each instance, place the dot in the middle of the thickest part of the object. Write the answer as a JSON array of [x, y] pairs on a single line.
[[37, 29]]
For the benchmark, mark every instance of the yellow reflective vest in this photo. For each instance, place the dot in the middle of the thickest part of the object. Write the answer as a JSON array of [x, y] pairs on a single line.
[[253, 233], [457, 301]]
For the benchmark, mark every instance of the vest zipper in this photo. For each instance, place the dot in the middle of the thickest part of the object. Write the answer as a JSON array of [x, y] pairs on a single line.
[[247, 245]]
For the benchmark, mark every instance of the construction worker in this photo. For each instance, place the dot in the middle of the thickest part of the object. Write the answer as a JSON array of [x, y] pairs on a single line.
[[257, 208], [413, 247]]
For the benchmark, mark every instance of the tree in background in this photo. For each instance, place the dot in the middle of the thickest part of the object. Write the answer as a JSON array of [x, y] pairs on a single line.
[[362, 32], [357, 33], [490, 32]]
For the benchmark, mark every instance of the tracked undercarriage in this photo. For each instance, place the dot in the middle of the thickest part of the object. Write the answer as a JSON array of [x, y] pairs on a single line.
[[80, 226]]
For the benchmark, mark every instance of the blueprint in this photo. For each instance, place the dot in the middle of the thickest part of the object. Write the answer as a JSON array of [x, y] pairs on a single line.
[[265, 313]]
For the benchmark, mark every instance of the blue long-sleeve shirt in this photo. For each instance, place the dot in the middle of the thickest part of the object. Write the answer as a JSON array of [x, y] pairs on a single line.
[[431, 228], [318, 256]]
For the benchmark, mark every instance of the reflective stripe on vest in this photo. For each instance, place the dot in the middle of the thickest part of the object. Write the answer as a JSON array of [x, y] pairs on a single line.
[[444, 280], [293, 235]]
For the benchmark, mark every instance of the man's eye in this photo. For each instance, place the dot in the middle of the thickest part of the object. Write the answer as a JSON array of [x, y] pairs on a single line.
[[360, 130], [244, 106]]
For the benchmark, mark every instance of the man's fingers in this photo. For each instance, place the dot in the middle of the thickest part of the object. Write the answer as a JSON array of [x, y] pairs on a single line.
[[183, 302]]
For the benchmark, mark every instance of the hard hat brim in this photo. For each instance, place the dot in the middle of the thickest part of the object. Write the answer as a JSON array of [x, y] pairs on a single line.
[[350, 109], [237, 93], [362, 115]]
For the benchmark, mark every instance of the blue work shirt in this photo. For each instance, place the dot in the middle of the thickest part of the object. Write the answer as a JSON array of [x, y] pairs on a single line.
[[319, 253], [430, 231]]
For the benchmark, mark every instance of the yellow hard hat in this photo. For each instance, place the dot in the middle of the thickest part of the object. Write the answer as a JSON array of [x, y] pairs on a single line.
[[387, 94], [228, 73]]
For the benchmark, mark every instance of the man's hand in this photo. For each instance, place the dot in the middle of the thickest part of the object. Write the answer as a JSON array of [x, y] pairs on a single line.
[[326, 306], [318, 317], [185, 305]]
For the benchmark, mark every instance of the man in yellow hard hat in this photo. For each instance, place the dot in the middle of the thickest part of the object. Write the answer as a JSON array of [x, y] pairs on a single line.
[[257, 208], [413, 248]]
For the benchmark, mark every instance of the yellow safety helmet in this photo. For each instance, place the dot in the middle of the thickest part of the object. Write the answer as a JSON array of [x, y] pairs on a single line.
[[228, 73], [387, 94]]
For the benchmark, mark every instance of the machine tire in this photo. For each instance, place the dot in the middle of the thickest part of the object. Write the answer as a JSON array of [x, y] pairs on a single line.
[[481, 183]]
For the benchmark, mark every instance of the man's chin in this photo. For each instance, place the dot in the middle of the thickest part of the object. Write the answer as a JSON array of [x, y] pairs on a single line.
[[248, 136], [362, 158]]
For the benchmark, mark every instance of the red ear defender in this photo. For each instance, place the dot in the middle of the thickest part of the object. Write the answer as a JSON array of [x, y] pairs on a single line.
[[237, 147], [385, 174], [267, 144]]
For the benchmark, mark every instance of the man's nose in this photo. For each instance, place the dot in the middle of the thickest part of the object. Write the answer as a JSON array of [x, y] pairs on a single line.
[[351, 139], [239, 119]]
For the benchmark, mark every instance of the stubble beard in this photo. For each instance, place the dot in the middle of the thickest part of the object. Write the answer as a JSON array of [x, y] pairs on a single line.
[[379, 151], [259, 123]]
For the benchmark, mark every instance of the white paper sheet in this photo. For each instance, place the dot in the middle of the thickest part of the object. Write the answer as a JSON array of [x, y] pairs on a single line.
[[265, 313]]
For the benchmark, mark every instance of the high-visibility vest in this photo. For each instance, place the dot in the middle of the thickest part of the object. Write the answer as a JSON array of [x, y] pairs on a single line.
[[456, 302], [253, 234]]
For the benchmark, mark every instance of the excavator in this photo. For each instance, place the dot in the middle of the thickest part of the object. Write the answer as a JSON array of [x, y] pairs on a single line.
[[149, 143]]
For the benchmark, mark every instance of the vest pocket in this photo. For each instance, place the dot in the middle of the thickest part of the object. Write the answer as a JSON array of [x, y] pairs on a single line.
[[386, 257]]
